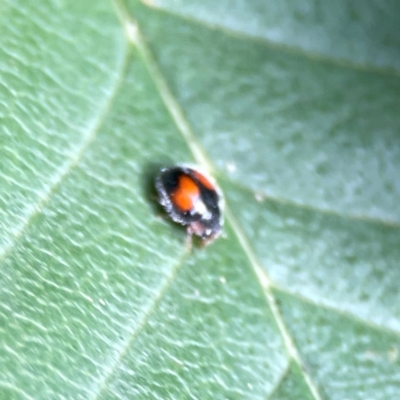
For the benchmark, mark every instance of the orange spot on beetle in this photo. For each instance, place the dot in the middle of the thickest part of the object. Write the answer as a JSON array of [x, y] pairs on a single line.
[[186, 193]]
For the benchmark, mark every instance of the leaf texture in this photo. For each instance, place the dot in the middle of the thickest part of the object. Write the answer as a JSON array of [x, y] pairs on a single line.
[[294, 109]]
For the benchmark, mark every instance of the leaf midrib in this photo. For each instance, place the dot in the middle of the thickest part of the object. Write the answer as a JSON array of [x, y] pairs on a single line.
[[198, 153]]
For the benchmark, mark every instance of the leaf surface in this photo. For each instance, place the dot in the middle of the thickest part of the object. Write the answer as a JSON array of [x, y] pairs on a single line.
[[100, 298]]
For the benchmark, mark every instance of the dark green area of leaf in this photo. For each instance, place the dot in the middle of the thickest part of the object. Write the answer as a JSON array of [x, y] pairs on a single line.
[[350, 361], [358, 32], [301, 130], [292, 385]]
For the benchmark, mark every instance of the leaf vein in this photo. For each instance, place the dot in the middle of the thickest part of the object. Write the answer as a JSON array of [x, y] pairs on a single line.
[[312, 208], [152, 306], [313, 55], [71, 163], [279, 381], [199, 154], [341, 312]]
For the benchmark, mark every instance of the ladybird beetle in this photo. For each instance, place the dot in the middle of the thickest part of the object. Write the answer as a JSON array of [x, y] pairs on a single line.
[[193, 199]]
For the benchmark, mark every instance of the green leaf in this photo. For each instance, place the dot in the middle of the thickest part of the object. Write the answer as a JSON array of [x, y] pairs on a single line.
[[294, 109]]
